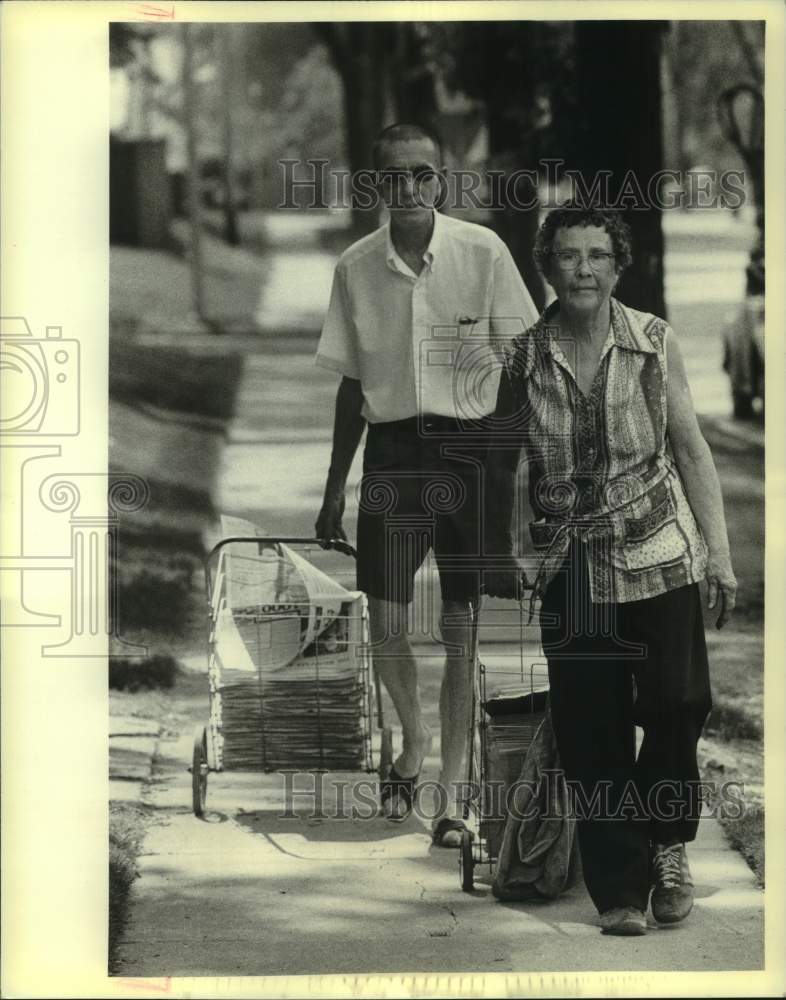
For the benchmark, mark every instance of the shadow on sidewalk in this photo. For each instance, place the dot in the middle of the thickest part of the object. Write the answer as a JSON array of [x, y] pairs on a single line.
[[280, 830]]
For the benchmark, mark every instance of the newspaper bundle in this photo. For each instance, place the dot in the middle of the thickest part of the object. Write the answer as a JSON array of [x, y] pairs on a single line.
[[289, 649]]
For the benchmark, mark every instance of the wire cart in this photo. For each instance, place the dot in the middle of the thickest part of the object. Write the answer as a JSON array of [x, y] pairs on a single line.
[[508, 706], [290, 681]]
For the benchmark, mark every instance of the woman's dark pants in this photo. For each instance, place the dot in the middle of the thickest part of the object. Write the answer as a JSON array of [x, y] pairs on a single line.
[[600, 658]]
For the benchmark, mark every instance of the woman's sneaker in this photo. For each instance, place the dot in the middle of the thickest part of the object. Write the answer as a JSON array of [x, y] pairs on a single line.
[[672, 892], [626, 921]]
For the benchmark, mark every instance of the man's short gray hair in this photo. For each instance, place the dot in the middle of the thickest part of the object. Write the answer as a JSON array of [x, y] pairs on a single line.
[[404, 132]]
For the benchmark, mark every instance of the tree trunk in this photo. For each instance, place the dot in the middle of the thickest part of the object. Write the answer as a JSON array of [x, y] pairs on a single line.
[[194, 192], [518, 228], [412, 81], [618, 64], [517, 221], [231, 231], [361, 53]]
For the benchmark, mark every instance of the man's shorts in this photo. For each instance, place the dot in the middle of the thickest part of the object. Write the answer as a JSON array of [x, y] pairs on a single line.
[[421, 490]]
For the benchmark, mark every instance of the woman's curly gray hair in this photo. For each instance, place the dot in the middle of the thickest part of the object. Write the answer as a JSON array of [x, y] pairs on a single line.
[[576, 214]]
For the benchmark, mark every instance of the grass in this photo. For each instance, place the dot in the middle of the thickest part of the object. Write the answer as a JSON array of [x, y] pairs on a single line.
[[731, 720], [736, 723], [177, 448], [159, 553], [155, 285], [746, 835], [144, 703], [128, 823], [730, 761]]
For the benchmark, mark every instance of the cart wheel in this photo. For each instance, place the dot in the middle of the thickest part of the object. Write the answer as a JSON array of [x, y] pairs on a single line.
[[199, 771], [466, 862], [386, 753]]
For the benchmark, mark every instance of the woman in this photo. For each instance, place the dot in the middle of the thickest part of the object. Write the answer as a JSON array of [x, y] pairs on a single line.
[[629, 520]]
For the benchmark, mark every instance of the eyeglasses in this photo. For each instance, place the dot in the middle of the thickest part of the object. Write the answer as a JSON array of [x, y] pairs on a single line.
[[569, 260], [420, 174]]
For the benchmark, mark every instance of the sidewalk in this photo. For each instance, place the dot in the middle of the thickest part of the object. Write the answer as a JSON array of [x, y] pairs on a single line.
[[133, 745], [247, 892]]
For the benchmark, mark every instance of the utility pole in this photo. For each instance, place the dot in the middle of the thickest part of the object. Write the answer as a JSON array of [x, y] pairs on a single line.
[[195, 255]]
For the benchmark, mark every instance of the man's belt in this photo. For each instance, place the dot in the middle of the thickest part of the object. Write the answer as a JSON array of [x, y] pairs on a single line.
[[437, 424]]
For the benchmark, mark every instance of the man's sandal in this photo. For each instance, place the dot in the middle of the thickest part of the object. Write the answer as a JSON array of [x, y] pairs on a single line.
[[404, 788], [447, 825]]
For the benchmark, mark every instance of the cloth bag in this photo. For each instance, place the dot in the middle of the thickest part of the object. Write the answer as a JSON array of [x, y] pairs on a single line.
[[538, 856]]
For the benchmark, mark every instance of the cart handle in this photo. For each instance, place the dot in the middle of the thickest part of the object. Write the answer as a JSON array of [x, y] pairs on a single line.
[[339, 544]]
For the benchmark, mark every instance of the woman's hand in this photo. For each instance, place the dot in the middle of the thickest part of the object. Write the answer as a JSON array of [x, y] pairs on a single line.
[[722, 583], [507, 579]]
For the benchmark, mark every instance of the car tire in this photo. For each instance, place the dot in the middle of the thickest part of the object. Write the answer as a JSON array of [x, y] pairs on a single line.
[[743, 405]]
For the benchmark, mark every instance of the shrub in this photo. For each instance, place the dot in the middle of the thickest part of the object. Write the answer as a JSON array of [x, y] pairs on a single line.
[[122, 872], [172, 379], [150, 601], [132, 675]]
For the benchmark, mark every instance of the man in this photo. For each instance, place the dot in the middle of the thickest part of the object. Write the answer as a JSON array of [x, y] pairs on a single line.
[[416, 310]]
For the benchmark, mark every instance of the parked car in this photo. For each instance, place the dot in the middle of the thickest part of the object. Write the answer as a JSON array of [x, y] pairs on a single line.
[[743, 345]]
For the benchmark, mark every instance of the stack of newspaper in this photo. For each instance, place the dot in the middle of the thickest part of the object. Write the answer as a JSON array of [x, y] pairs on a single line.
[[288, 653]]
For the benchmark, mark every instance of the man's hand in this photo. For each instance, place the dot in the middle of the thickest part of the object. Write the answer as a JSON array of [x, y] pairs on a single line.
[[328, 524], [721, 582], [347, 432], [506, 580]]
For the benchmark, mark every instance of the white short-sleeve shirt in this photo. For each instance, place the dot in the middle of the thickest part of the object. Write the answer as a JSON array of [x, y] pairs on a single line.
[[425, 343]]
